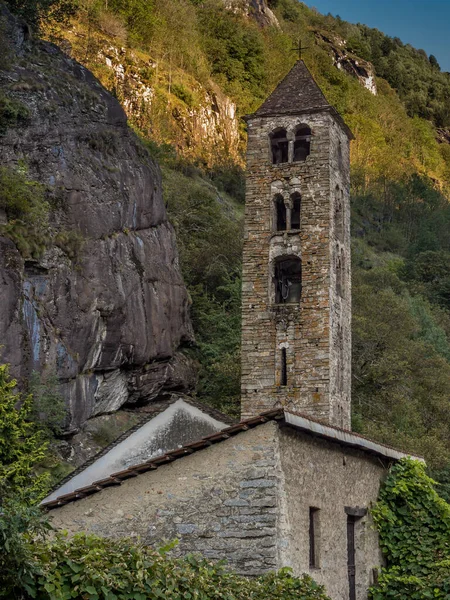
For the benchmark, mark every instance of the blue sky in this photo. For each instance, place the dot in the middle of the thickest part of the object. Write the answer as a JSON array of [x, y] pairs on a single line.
[[421, 23]]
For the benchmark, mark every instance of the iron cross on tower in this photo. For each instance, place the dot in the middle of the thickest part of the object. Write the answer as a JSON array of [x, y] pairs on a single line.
[[299, 48]]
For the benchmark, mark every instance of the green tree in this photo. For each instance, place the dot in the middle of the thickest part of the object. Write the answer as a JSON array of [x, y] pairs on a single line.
[[35, 11], [433, 62], [22, 448], [49, 409], [20, 527], [22, 444]]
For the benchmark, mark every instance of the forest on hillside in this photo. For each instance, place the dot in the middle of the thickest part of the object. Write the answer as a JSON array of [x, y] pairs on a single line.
[[400, 187]]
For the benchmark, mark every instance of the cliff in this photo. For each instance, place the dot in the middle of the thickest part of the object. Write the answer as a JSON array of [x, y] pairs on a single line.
[[111, 317]]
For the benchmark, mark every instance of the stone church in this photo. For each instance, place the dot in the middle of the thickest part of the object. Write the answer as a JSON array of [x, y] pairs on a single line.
[[289, 485]]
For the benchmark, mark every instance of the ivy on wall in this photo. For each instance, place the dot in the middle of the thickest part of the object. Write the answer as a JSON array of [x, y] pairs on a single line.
[[414, 526]]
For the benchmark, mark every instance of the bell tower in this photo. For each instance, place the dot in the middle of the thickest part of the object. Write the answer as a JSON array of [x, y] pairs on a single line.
[[296, 305]]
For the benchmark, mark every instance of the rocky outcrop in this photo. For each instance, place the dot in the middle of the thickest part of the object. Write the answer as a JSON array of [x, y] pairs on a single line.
[[443, 135], [198, 119], [113, 321], [255, 9], [348, 62]]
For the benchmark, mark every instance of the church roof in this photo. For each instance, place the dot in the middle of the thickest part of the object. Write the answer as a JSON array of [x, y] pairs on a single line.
[[298, 93], [158, 431], [288, 418]]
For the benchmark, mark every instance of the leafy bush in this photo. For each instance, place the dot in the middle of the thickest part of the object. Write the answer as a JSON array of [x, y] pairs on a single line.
[[100, 569], [414, 527], [34, 11], [12, 113], [400, 383], [208, 226], [20, 525], [235, 50], [49, 408], [112, 25], [27, 210], [19, 196], [230, 178], [22, 444], [431, 269], [183, 94]]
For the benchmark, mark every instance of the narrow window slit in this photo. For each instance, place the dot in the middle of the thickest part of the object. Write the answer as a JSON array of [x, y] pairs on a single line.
[[314, 537], [283, 367], [339, 214]]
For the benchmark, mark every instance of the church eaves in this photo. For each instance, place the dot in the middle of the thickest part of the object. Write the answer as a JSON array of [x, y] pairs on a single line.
[[283, 417], [297, 93]]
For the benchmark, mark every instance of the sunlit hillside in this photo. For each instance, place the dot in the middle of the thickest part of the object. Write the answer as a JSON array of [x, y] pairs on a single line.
[[186, 72]]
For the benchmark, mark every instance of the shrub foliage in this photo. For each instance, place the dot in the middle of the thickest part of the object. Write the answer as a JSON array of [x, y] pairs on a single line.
[[34, 11], [22, 444], [101, 569], [414, 526]]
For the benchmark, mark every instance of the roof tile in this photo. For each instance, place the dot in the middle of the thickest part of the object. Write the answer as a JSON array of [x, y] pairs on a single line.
[[297, 92], [278, 414]]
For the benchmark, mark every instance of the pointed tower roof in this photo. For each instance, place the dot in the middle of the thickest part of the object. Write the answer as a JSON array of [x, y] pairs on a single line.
[[297, 93]]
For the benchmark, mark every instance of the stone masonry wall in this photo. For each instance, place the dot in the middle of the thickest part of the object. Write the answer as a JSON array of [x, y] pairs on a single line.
[[307, 331], [330, 478], [340, 279], [221, 502], [247, 500]]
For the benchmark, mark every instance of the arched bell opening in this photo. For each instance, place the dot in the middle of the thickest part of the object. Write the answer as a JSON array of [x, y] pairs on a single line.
[[280, 220], [288, 280], [279, 145], [302, 143], [296, 201]]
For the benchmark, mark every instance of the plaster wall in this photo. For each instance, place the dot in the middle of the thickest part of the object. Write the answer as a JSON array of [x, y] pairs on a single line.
[[329, 477]]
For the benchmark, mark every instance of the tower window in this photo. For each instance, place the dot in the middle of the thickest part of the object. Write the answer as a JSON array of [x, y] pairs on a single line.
[[339, 214], [340, 271], [302, 143], [280, 213], [283, 378], [339, 156], [288, 281], [314, 538], [295, 214], [279, 146]]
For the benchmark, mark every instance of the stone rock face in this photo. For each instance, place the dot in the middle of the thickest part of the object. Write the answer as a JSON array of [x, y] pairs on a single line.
[[256, 9], [209, 125], [111, 322], [348, 62]]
